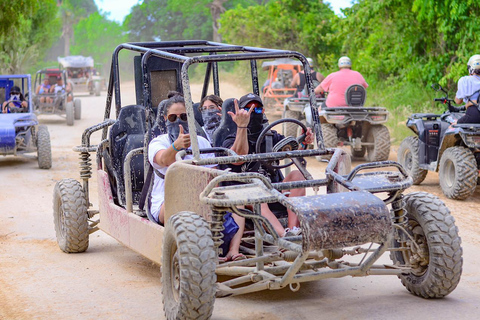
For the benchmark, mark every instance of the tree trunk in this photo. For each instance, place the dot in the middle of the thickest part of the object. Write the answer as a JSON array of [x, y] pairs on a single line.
[[216, 9]]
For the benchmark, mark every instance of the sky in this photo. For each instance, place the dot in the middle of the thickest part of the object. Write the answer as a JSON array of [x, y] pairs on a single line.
[[120, 8]]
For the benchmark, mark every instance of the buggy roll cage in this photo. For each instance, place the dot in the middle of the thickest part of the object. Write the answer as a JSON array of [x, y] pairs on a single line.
[[176, 51], [25, 87]]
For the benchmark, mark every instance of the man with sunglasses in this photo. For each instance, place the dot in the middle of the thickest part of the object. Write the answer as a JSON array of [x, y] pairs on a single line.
[[253, 103], [16, 103]]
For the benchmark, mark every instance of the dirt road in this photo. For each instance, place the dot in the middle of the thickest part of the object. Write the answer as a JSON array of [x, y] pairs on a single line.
[[109, 281]]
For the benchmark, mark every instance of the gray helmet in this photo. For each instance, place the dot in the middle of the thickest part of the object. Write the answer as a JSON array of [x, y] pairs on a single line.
[[310, 62], [473, 63], [344, 62]]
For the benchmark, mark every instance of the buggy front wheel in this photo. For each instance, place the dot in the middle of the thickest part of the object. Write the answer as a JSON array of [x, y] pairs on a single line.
[[188, 268], [44, 149], [70, 113]]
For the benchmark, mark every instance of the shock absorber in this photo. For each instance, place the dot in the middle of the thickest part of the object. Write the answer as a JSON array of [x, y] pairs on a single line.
[[400, 215], [216, 226], [85, 171]]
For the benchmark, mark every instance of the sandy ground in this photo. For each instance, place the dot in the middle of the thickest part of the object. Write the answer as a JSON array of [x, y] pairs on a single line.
[[109, 281]]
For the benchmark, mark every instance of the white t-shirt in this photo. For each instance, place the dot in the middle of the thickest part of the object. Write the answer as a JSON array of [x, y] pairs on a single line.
[[162, 142], [467, 86]]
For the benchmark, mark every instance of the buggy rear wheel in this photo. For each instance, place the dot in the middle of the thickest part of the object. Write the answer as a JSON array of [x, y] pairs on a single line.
[[44, 149], [77, 103], [70, 112], [70, 216], [380, 137], [432, 247], [458, 173], [407, 156], [188, 268], [96, 85]]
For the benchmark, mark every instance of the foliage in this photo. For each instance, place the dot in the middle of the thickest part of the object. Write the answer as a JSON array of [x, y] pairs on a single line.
[[97, 36], [302, 26], [30, 33]]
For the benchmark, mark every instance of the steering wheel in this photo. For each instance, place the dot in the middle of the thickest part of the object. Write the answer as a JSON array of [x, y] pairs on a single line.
[[286, 144]]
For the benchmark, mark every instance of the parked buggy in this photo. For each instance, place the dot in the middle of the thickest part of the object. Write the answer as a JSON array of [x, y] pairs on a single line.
[[363, 213], [82, 74], [20, 132]]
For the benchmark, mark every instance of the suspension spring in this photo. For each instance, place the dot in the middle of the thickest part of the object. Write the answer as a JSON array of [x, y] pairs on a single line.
[[400, 214], [216, 226], [85, 166]]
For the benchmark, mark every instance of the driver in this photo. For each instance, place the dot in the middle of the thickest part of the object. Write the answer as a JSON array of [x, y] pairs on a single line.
[[16, 101], [338, 82], [299, 79], [468, 91], [252, 102]]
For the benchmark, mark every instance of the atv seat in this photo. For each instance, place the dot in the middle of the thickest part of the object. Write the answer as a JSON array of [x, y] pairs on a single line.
[[127, 134], [355, 95], [227, 125]]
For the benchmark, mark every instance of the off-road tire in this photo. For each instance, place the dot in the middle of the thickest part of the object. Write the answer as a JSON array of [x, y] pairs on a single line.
[[407, 156], [77, 105], [44, 149], [458, 173], [96, 86], [330, 135], [70, 216], [188, 268], [289, 128], [433, 228], [380, 137], [70, 113]]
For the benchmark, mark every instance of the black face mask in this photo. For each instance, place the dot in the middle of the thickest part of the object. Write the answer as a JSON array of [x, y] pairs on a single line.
[[255, 125], [173, 128], [211, 121]]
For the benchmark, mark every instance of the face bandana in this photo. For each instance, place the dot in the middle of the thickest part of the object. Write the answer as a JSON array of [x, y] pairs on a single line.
[[211, 121], [255, 125], [15, 97], [173, 128]]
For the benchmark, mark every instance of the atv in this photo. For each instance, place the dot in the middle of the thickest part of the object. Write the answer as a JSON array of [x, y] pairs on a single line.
[[20, 132], [445, 147], [363, 214], [56, 103]]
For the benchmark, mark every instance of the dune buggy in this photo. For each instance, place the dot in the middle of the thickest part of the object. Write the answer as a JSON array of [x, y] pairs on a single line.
[[82, 74], [20, 132], [450, 149], [56, 103], [277, 86], [362, 215]]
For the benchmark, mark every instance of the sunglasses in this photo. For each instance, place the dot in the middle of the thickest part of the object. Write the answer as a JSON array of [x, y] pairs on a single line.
[[258, 108], [173, 117]]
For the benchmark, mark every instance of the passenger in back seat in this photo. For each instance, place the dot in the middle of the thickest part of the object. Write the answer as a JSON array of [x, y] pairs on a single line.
[[211, 108], [163, 149]]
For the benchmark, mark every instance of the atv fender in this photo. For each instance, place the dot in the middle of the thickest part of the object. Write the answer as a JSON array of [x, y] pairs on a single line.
[[451, 138]]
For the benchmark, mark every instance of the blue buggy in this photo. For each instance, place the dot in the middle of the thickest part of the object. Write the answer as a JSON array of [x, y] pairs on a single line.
[[19, 129]]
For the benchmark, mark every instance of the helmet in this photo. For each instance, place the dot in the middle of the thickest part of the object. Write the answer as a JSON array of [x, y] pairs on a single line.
[[473, 63], [344, 62], [310, 61]]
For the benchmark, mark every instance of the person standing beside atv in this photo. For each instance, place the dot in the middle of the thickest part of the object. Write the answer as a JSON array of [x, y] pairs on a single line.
[[255, 126], [299, 79], [338, 82], [16, 102], [468, 91]]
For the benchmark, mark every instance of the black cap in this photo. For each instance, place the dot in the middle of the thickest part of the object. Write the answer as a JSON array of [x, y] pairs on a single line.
[[15, 89], [246, 99]]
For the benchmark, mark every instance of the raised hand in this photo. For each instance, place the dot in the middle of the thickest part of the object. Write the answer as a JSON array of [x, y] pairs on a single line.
[[241, 116], [183, 140], [309, 136]]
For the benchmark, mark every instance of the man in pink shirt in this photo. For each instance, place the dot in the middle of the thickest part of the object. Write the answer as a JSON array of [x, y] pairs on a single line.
[[337, 83]]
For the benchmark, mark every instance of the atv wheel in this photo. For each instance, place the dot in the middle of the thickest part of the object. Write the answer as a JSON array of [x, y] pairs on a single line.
[[77, 103], [458, 173], [436, 254], [188, 268], [97, 88], [330, 135], [44, 150], [407, 156], [70, 216], [289, 128], [380, 137], [70, 112]]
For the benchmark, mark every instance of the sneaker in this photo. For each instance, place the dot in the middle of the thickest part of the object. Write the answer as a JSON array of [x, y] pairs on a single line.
[[295, 231]]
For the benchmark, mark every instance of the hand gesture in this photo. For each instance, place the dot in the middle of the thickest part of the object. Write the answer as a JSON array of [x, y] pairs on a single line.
[[309, 136], [241, 116], [183, 140]]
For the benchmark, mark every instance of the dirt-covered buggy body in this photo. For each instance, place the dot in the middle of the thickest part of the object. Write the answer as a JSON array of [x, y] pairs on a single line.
[[348, 220], [82, 74]]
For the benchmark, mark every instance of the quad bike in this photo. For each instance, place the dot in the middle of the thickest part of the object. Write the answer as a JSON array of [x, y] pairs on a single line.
[[450, 149], [362, 215], [20, 132], [356, 126], [82, 74], [56, 103]]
